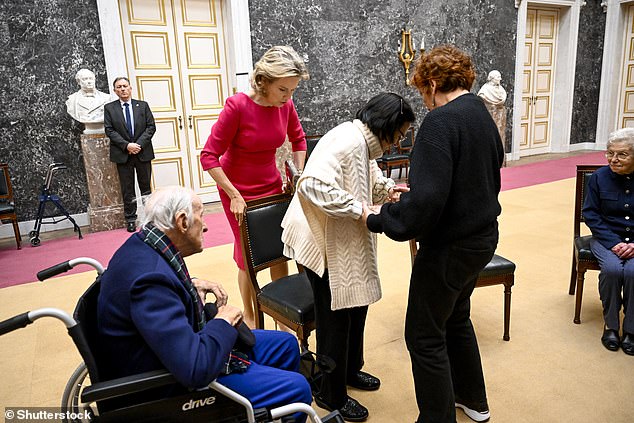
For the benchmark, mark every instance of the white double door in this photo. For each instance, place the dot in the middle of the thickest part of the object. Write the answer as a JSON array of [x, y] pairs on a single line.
[[176, 59], [538, 80]]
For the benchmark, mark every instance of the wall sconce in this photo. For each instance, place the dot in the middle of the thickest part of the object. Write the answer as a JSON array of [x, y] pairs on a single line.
[[407, 51]]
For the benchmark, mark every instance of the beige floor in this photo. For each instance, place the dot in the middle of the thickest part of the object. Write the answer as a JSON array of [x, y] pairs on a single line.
[[551, 371]]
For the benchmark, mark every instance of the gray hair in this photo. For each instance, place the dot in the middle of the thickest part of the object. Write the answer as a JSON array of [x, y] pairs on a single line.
[[625, 135], [162, 206], [278, 62]]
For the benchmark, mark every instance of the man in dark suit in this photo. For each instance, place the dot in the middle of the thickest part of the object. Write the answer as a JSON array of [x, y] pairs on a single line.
[[130, 126]]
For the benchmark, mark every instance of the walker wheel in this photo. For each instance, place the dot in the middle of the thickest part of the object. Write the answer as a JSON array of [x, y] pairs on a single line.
[[33, 234], [35, 241]]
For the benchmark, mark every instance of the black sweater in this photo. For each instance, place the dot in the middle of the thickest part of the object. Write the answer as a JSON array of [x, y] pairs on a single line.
[[454, 177]]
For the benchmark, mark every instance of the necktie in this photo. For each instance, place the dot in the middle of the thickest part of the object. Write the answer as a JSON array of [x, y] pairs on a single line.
[[128, 120]]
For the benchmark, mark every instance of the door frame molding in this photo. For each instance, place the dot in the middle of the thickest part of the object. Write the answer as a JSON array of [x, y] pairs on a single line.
[[563, 89], [612, 62], [237, 37]]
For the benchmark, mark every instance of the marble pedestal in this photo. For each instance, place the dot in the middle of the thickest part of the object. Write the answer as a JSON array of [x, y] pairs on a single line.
[[106, 205], [498, 113]]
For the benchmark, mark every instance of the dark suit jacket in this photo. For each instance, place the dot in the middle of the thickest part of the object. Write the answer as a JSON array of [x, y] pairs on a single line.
[[116, 130]]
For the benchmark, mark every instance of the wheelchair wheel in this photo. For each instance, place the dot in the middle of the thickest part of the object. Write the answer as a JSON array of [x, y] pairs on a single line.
[[76, 411]]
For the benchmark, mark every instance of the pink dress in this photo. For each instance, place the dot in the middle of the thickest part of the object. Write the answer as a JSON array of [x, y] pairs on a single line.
[[243, 142]]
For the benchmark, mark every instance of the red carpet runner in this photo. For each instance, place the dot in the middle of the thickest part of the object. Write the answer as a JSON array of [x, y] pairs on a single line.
[[21, 266]]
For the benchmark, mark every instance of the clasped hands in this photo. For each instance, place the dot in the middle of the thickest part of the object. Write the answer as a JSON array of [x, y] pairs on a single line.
[[394, 195], [133, 148], [229, 313], [624, 250]]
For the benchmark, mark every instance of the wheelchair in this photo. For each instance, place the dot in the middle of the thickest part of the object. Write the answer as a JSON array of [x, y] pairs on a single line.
[[85, 393]]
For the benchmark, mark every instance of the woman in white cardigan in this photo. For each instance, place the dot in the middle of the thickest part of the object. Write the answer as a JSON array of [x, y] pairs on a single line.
[[324, 233]]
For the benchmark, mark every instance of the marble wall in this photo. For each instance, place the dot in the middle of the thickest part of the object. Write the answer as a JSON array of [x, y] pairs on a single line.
[[45, 43], [588, 73], [351, 47]]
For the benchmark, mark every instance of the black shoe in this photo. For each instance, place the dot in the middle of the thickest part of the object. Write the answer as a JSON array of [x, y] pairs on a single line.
[[131, 227], [364, 381], [610, 339], [628, 344], [351, 411]]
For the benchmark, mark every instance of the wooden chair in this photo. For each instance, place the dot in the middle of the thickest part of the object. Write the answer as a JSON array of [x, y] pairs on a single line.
[[398, 157], [288, 300], [582, 257], [7, 204], [499, 271]]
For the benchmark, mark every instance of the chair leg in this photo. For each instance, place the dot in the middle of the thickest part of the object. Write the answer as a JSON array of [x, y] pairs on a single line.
[[16, 232], [507, 310], [573, 275], [579, 297]]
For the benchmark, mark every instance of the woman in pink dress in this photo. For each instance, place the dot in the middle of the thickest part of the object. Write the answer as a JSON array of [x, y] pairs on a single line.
[[240, 152]]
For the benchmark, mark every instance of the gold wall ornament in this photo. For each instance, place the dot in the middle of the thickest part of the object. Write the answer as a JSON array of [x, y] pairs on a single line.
[[406, 52]]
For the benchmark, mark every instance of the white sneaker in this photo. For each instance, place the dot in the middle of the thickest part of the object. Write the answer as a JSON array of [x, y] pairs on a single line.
[[476, 416]]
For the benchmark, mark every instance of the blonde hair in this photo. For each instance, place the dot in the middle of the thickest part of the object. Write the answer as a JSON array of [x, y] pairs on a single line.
[[278, 62]]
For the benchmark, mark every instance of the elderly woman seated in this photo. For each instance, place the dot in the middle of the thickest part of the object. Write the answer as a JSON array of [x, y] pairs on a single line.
[[608, 212]]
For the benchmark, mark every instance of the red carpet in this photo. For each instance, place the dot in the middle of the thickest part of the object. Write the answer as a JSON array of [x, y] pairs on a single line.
[[20, 266]]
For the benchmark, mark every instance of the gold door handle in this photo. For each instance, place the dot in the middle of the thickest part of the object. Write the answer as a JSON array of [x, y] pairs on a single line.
[[190, 122], [180, 122]]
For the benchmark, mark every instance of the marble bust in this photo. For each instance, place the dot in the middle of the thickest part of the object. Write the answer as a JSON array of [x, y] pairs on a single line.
[[492, 92], [86, 105]]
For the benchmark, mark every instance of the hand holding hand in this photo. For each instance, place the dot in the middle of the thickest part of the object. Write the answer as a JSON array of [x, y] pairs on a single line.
[[230, 314], [394, 193], [624, 250], [368, 210], [204, 287]]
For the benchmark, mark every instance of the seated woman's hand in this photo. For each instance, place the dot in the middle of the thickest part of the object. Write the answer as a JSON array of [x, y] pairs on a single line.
[[394, 194]]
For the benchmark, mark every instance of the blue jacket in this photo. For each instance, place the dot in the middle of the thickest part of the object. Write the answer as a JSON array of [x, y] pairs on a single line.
[[608, 207], [145, 321]]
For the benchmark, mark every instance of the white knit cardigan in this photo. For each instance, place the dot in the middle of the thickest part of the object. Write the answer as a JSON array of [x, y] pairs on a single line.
[[343, 158]]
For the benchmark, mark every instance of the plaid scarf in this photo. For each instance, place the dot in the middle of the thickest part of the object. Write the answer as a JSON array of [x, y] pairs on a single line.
[[156, 239]]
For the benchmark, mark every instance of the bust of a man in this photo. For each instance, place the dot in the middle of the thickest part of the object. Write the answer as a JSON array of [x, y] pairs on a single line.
[[86, 105], [492, 91]]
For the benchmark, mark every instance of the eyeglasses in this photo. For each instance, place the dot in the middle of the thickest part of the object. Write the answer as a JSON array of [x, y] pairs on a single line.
[[620, 155], [401, 137]]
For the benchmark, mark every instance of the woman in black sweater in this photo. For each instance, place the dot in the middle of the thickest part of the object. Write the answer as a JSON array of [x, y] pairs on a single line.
[[452, 210]]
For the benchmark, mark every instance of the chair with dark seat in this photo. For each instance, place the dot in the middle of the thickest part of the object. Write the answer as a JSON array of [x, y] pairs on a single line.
[[582, 257], [7, 204], [499, 271], [398, 156], [288, 300]]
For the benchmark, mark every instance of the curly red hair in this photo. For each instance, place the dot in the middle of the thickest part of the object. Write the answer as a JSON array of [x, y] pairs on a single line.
[[449, 66]]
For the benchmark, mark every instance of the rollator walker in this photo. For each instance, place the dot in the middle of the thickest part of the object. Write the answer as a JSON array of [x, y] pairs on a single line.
[[45, 197], [85, 389]]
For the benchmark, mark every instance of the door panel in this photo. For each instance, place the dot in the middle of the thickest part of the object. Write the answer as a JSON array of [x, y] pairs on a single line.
[[175, 52], [626, 102], [537, 88]]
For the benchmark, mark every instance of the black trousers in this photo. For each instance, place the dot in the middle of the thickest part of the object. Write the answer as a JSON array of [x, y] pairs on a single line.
[[126, 171], [438, 331], [339, 336]]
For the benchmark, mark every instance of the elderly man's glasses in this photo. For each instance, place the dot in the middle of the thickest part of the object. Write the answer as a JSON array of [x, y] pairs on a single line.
[[620, 155]]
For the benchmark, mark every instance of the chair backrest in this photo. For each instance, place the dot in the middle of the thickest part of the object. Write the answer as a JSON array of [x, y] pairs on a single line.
[[583, 176], [406, 145], [261, 232], [6, 191], [311, 143], [86, 341]]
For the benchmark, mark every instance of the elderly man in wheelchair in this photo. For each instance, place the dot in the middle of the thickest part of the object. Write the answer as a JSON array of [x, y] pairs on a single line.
[[150, 316]]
